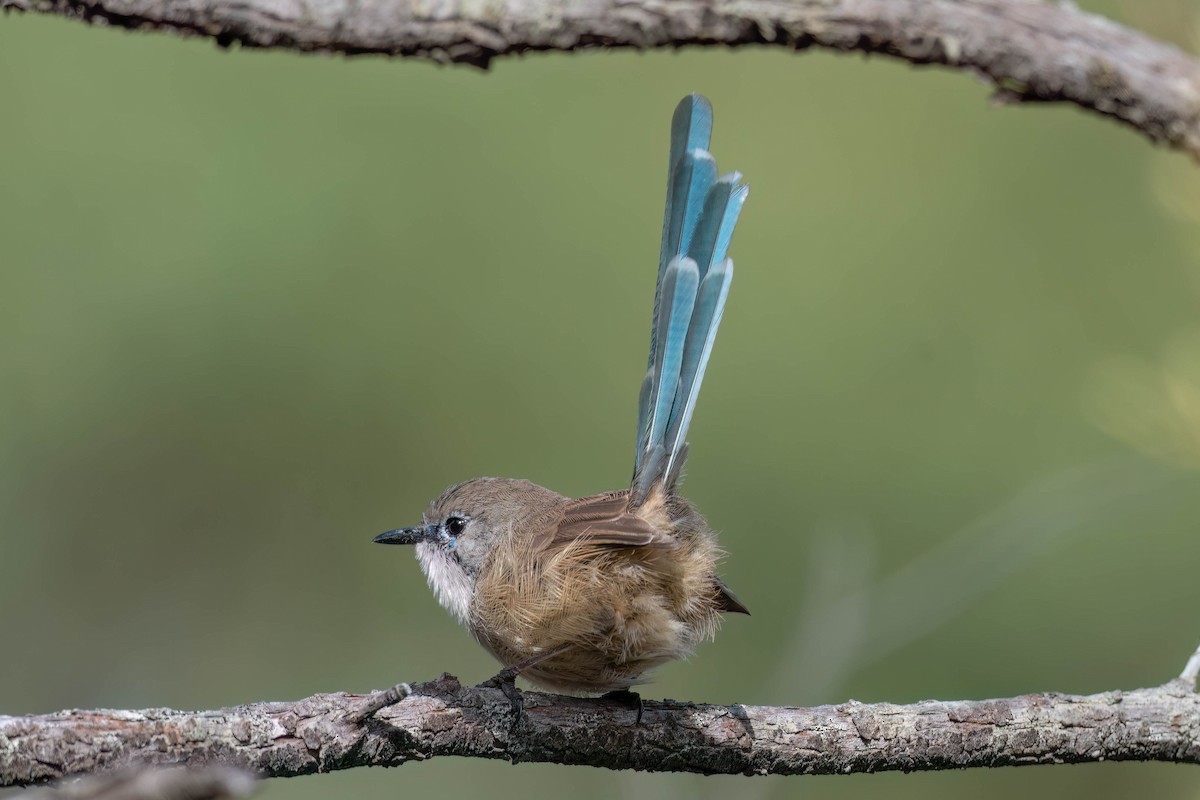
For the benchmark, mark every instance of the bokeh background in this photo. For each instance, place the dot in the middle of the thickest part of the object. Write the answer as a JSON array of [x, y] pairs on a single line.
[[257, 307]]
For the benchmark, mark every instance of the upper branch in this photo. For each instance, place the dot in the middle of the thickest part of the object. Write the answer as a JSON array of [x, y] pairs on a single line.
[[1029, 49], [328, 732]]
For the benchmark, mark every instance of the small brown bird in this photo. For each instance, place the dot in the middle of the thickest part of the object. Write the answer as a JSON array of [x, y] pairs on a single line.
[[587, 596]]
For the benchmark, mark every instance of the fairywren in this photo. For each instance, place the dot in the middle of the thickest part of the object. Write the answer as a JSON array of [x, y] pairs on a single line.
[[586, 596]]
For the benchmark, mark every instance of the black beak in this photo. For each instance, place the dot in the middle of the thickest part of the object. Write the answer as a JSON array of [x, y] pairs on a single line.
[[420, 533]]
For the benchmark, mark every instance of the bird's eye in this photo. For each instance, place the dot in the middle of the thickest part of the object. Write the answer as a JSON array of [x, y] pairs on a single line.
[[455, 526]]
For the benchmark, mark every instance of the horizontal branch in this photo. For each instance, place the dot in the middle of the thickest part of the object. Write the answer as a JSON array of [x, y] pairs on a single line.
[[1029, 49], [328, 732]]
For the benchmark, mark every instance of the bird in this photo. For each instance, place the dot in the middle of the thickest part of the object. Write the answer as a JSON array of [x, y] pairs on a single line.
[[587, 596]]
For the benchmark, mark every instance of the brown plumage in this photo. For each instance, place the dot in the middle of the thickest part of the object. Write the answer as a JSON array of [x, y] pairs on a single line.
[[589, 595], [627, 588]]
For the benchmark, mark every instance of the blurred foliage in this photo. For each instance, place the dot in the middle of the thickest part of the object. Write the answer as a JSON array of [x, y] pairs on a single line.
[[257, 307]]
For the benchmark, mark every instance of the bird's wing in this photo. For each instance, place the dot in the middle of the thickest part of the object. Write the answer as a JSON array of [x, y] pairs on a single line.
[[605, 519]]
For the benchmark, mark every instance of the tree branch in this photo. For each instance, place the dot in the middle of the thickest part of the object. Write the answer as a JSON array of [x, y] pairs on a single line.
[[1029, 49], [328, 732]]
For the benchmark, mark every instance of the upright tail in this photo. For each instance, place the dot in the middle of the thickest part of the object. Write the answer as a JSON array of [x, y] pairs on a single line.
[[693, 282]]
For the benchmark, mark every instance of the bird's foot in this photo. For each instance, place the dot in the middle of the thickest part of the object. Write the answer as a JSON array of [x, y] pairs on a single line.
[[631, 700], [506, 681]]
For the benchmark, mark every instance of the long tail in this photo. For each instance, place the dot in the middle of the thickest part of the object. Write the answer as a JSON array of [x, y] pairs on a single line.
[[693, 282]]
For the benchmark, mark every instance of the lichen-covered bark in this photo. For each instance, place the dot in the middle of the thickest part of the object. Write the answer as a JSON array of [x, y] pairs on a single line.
[[327, 732], [1030, 49]]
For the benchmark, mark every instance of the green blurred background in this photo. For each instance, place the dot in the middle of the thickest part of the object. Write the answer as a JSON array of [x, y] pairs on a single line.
[[257, 307]]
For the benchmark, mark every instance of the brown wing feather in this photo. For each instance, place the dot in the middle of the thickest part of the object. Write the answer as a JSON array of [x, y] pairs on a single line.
[[600, 506], [606, 519]]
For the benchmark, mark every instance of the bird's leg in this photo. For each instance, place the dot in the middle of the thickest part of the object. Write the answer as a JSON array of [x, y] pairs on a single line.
[[506, 679], [627, 698]]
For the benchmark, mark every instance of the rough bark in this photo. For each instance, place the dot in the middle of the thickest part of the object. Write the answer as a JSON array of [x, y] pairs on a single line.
[[1029, 49], [336, 731]]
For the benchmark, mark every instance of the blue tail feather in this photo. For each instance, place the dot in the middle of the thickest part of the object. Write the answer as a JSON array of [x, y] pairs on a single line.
[[691, 126], [710, 304], [694, 277], [721, 208], [730, 218], [694, 177], [680, 286], [691, 129]]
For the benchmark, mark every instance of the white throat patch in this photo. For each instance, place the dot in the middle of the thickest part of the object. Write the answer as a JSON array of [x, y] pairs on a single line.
[[448, 580]]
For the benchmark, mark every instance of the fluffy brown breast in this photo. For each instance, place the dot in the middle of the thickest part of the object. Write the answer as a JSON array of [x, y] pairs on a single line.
[[629, 589]]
